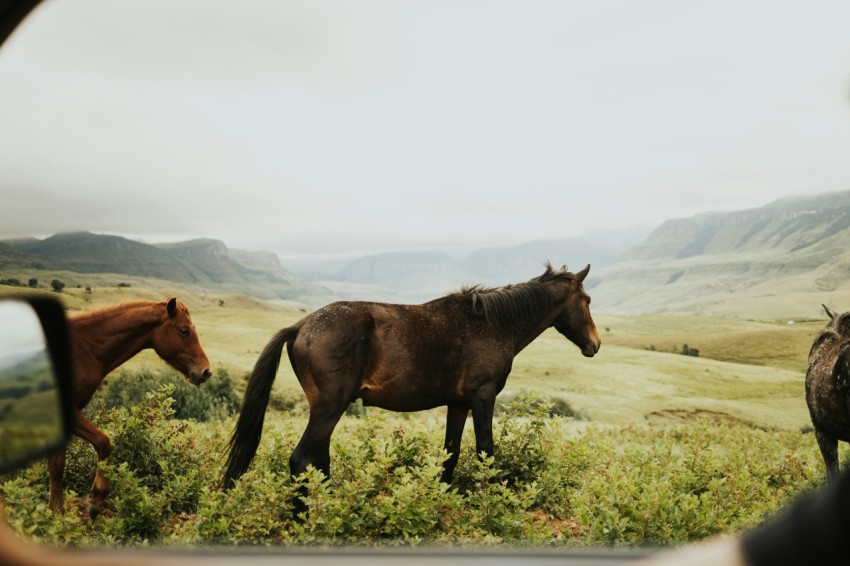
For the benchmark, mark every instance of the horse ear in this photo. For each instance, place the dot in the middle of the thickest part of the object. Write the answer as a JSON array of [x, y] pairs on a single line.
[[829, 313], [171, 306], [583, 273]]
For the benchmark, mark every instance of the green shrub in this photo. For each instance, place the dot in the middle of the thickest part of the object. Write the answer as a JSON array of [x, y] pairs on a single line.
[[555, 406], [215, 399], [288, 401], [548, 483]]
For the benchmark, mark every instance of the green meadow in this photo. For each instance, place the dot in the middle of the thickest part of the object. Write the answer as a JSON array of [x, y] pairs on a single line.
[[661, 448], [747, 371]]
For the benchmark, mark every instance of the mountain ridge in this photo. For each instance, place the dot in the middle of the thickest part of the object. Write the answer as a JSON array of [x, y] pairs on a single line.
[[782, 259], [205, 262], [718, 262]]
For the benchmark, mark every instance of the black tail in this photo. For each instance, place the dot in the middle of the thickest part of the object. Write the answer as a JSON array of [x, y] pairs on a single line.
[[249, 428]]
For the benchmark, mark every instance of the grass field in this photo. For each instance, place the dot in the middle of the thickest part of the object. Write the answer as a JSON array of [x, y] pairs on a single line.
[[747, 371], [741, 450]]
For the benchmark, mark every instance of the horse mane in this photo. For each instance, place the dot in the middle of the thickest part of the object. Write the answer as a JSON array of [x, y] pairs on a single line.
[[509, 304], [111, 310]]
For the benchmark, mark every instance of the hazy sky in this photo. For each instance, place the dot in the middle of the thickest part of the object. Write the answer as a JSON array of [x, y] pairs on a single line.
[[20, 333], [328, 127]]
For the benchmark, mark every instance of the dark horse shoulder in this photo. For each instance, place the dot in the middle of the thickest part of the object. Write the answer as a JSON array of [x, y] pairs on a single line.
[[824, 339]]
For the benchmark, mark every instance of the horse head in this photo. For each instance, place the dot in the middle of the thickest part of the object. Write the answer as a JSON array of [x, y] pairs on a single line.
[[176, 342], [838, 323], [574, 321]]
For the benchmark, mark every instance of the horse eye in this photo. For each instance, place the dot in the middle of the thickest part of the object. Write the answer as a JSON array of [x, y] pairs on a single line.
[[184, 332]]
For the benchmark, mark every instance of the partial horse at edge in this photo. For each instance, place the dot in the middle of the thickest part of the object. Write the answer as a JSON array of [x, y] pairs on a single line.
[[828, 388]]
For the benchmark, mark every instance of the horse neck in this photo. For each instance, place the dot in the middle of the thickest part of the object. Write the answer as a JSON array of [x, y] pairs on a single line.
[[535, 327], [532, 326], [114, 336]]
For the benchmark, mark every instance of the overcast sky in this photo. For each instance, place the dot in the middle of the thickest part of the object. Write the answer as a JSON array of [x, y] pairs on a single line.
[[20, 333], [331, 127]]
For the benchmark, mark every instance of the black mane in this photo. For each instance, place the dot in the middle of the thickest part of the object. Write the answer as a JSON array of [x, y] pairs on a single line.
[[510, 304]]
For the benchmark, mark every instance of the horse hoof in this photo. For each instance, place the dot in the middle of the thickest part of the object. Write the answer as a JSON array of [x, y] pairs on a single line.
[[93, 512]]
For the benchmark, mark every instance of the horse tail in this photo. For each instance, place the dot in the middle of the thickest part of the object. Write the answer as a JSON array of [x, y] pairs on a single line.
[[249, 427]]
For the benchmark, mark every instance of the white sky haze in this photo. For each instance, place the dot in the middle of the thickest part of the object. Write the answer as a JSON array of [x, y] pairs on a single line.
[[332, 127]]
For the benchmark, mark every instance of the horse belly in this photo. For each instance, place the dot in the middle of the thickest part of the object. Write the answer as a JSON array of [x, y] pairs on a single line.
[[395, 401], [407, 388], [413, 363]]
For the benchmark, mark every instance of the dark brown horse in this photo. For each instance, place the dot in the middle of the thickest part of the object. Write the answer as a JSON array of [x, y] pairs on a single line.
[[456, 351], [102, 340], [828, 388]]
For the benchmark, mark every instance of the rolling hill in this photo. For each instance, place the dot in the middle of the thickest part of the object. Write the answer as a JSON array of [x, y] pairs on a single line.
[[203, 263], [420, 276], [780, 260]]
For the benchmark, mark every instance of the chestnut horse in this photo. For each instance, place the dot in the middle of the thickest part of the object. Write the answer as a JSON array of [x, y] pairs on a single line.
[[102, 340], [455, 351], [828, 388]]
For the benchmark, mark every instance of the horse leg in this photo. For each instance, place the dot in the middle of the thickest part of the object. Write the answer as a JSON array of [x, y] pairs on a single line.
[[314, 448], [828, 445], [94, 436], [455, 421], [483, 405], [56, 471]]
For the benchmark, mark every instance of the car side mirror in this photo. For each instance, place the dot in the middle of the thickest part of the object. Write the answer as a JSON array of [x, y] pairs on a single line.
[[35, 379]]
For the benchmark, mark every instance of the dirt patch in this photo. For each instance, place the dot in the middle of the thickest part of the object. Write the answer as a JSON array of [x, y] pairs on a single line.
[[690, 415]]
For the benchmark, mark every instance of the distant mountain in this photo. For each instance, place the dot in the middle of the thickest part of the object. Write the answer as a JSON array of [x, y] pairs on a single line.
[[84, 252], [419, 276], [512, 264], [415, 275], [10, 257], [780, 260], [786, 225], [783, 258], [204, 262]]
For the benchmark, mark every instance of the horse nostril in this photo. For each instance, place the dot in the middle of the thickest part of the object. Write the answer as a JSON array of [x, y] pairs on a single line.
[[207, 373]]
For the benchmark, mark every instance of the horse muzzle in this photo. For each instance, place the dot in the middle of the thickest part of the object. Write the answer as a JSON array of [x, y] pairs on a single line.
[[590, 350], [197, 378]]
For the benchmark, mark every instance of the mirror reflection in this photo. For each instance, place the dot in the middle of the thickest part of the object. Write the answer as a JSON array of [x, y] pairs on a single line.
[[30, 406]]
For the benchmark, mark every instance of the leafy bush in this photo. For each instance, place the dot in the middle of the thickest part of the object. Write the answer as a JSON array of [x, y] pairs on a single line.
[[215, 399], [548, 483], [555, 406], [155, 472]]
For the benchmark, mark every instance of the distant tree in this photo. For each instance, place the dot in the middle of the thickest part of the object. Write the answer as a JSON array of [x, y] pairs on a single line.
[[122, 285], [687, 351], [33, 282], [57, 285], [88, 289]]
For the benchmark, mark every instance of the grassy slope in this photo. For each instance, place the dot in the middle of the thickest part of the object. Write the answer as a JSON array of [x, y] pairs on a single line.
[[747, 370]]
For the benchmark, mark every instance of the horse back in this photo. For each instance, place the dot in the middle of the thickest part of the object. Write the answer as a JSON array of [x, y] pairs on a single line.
[[828, 385]]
